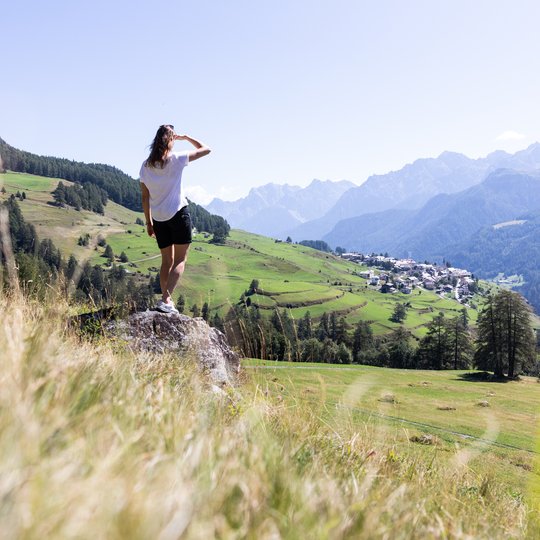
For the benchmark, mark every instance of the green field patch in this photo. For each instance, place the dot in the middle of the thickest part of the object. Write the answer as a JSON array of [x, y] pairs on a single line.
[[341, 306], [262, 301], [420, 396]]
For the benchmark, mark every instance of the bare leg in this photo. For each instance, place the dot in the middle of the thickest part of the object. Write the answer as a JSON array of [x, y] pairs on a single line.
[[179, 257], [166, 263]]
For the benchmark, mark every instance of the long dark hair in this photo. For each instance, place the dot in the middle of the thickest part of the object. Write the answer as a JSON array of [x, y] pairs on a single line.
[[160, 146]]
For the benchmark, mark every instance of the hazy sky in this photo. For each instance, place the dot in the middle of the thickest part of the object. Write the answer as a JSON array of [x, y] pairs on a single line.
[[283, 91]]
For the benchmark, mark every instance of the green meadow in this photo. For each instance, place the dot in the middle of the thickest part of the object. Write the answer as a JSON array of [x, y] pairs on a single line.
[[290, 276], [448, 406], [100, 442]]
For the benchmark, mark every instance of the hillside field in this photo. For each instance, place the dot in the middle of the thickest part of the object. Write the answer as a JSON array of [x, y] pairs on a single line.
[[99, 442], [290, 275], [402, 404]]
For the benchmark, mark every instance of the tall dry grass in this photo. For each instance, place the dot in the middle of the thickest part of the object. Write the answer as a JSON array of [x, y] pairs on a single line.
[[98, 443]]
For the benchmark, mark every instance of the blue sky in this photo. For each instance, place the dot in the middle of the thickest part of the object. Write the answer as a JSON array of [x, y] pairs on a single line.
[[283, 91]]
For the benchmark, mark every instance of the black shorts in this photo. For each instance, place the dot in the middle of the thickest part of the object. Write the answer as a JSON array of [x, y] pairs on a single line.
[[176, 230]]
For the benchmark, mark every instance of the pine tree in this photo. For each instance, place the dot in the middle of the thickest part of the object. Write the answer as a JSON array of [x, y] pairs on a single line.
[[344, 354], [205, 311], [323, 330], [123, 257], [459, 341], [108, 254], [399, 314], [305, 327], [505, 338], [253, 286], [97, 279], [342, 335], [332, 326], [311, 350], [180, 303], [217, 322], [465, 317], [362, 339], [434, 351], [195, 310], [59, 194], [400, 352], [71, 267]]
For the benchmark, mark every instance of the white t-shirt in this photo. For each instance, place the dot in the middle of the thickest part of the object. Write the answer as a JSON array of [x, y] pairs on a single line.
[[165, 186]]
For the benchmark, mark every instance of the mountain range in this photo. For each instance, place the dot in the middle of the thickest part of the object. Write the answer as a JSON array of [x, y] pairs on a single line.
[[312, 212], [273, 209], [445, 221]]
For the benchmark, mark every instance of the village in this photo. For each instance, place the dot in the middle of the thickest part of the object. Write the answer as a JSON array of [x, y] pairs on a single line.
[[390, 275]]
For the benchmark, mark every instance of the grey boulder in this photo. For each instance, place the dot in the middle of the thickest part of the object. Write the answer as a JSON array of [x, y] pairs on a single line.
[[156, 332]]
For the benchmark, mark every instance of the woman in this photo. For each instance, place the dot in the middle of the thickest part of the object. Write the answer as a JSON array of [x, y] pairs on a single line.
[[165, 206]]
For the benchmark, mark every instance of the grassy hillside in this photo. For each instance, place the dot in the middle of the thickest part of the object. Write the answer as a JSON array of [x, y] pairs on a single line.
[[292, 276], [99, 443], [445, 401]]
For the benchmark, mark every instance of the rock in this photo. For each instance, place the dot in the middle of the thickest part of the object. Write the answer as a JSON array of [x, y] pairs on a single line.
[[388, 398], [153, 331], [446, 408], [425, 439], [483, 403]]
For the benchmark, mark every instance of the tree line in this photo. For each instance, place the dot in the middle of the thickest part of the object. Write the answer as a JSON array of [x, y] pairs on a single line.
[[203, 220], [119, 187], [86, 197], [40, 264], [503, 342], [95, 183]]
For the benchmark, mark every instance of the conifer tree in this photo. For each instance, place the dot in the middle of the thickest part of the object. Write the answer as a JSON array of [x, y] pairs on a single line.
[[505, 338], [399, 314], [108, 254], [71, 267], [459, 342], [205, 311], [362, 339], [434, 350]]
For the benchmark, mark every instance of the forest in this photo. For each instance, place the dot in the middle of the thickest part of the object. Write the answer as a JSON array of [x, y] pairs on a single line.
[[36, 264], [118, 186], [503, 343]]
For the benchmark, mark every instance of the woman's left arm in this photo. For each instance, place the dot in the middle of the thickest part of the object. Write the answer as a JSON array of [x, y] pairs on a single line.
[[146, 210]]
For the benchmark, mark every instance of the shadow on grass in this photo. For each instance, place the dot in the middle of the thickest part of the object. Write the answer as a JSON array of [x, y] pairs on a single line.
[[482, 376]]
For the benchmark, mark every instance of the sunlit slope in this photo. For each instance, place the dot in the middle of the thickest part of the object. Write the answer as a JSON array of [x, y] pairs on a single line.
[[447, 400], [63, 225], [290, 276]]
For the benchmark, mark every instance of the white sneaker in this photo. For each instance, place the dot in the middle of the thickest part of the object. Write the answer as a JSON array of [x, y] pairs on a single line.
[[166, 308]]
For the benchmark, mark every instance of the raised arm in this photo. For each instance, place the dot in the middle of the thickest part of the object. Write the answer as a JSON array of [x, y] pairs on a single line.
[[201, 148]]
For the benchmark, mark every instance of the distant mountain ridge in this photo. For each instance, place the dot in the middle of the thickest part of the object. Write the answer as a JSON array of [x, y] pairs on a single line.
[[512, 248], [413, 185], [445, 220], [272, 209]]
